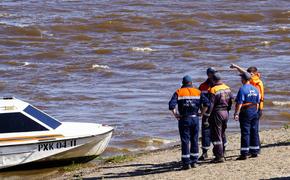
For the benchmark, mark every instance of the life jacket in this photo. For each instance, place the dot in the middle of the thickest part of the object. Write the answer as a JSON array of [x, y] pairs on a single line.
[[188, 100], [218, 88], [223, 97], [257, 83]]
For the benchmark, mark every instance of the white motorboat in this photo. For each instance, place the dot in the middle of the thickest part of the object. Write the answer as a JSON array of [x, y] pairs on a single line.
[[29, 135]]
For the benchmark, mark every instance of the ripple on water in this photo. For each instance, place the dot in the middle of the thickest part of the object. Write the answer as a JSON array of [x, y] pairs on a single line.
[[101, 70], [279, 16], [71, 28], [2, 86], [81, 37], [118, 26], [243, 17], [50, 54], [178, 22], [141, 66], [286, 115], [204, 15], [281, 103], [7, 42], [24, 31], [103, 51], [142, 49], [279, 31]]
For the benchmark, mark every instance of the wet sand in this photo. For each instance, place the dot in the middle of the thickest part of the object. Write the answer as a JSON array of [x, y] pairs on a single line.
[[274, 162]]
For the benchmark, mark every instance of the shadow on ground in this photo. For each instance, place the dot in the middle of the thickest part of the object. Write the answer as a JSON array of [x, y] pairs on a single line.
[[150, 169], [142, 169], [285, 143], [278, 178]]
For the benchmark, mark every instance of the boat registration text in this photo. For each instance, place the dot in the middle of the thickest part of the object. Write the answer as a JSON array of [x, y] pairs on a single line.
[[57, 145]]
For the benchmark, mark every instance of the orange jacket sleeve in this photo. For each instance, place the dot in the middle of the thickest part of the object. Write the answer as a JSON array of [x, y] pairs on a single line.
[[261, 90]]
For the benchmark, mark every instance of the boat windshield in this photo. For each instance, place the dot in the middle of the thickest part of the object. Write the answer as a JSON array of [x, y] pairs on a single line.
[[51, 122], [18, 122]]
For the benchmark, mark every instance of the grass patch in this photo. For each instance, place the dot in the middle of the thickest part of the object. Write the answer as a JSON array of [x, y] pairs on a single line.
[[99, 158], [286, 126], [119, 159], [72, 167]]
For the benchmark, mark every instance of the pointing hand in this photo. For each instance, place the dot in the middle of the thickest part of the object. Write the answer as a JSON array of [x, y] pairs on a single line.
[[233, 66]]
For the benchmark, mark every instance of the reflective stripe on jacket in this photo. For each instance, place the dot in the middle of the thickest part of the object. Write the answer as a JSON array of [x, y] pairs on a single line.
[[189, 100], [220, 98]]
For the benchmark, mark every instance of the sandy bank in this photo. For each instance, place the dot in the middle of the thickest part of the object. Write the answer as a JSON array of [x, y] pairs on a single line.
[[274, 162]]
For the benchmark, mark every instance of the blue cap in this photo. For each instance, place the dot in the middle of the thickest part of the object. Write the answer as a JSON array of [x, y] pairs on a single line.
[[211, 70], [186, 79]]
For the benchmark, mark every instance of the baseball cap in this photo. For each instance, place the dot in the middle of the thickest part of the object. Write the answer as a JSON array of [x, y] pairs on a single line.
[[246, 76], [186, 79], [211, 70]]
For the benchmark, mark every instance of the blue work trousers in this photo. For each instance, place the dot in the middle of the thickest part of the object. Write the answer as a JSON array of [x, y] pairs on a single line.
[[188, 130], [249, 124]]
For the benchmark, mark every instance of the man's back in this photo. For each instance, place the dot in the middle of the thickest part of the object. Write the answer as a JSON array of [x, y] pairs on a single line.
[[188, 100], [248, 94], [223, 97]]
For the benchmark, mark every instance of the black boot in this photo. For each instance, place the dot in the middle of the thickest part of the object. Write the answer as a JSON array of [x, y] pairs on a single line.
[[185, 167], [242, 157], [218, 160], [203, 156], [254, 156], [193, 165]]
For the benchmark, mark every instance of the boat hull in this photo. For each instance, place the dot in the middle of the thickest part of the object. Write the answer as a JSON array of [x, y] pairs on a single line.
[[54, 150]]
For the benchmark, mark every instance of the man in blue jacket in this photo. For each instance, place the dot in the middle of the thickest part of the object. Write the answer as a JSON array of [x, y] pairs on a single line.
[[189, 101], [247, 105]]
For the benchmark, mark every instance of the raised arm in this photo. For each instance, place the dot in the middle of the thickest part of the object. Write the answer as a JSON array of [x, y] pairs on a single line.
[[240, 69]]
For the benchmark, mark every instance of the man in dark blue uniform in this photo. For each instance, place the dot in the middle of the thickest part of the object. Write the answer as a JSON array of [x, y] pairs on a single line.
[[247, 105], [189, 101], [205, 128]]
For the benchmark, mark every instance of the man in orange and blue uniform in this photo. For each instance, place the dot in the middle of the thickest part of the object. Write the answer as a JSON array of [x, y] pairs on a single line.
[[189, 100], [218, 114], [247, 104]]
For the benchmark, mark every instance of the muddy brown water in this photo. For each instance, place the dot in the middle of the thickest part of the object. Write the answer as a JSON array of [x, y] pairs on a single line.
[[118, 62]]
